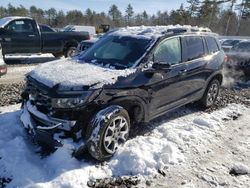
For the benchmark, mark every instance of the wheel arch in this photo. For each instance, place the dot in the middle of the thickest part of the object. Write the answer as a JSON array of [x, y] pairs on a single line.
[[134, 105], [217, 75], [70, 43]]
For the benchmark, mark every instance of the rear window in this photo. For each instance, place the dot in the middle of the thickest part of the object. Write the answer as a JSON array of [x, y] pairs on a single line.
[[194, 47], [212, 45], [45, 29], [242, 47], [230, 42]]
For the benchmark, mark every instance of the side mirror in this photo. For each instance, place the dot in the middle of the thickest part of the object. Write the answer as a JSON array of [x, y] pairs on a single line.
[[161, 66]]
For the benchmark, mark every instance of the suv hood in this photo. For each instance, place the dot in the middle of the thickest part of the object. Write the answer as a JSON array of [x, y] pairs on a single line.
[[70, 74]]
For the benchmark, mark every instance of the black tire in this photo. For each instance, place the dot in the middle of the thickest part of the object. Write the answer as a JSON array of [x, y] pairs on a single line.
[[57, 55], [99, 129], [210, 96], [70, 51], [4, 57]]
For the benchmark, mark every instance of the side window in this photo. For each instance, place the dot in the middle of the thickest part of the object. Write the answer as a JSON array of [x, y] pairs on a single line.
[[212, 45], [242, 47], [45, 29], [194, 47], [169, 51], [21, 26]]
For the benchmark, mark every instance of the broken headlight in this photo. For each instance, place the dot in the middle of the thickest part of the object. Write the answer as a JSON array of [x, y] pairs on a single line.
[[69, 102]]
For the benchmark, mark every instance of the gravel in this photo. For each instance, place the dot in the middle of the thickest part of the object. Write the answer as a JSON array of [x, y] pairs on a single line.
[[10, 93]]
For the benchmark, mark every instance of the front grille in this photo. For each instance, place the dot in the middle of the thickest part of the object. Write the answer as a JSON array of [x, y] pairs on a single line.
[[39, 97]]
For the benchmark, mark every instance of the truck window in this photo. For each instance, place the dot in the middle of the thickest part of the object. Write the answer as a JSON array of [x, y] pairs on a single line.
[[46, 29], [169, 51], [21, 26]]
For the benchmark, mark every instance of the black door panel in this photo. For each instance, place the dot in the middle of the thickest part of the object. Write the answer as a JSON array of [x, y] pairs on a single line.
[[166, 87], [23, 37]]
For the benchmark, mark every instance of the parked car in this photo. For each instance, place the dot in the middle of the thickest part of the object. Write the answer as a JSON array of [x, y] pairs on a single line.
[[23, 35], [79, 28], [3, 66], [84, 45], [228, 44], [130, 76], [239, 57]]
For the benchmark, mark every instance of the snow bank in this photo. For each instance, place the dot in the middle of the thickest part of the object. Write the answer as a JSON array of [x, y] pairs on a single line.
[[73, 73], [165, 145]]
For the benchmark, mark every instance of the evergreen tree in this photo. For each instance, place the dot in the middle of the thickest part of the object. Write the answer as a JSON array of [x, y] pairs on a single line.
[[129, 14], [145, 18], [74, 17], [51, 16], [193, 8], [115, 15], [60, 19]]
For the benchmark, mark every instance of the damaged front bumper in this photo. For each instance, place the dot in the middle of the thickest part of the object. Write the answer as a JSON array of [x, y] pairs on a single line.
[[42, 127]]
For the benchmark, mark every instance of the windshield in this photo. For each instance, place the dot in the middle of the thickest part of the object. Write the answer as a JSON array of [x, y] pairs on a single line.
[[118, 51], [3, 21]]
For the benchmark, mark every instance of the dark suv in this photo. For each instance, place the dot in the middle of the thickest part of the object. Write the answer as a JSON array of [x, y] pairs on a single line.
[[130, 76]]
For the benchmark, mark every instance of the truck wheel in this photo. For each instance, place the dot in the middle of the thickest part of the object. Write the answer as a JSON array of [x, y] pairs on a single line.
[[4, 58], [211, 94], [108, 129], [57, 55], [70, 52]]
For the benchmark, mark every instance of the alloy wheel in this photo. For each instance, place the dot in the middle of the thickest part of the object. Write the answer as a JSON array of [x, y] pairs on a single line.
[[212, 93], [115, 134]]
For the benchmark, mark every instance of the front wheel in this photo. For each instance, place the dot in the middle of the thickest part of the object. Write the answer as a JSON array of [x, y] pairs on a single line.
[[107, 131], [57, 55], [211, 94]]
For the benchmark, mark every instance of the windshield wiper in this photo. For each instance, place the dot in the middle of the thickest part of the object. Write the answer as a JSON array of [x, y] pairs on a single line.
[[119, 65]]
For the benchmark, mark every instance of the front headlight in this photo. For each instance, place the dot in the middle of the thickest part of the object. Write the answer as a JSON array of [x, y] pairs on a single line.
[[72, 102]]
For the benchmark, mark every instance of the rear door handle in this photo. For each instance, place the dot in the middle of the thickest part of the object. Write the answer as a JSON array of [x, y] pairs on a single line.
[[182, 72], [32, 35]]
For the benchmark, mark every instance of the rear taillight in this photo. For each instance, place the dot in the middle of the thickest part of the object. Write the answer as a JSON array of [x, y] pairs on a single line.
[[3, 69], [226, 59]]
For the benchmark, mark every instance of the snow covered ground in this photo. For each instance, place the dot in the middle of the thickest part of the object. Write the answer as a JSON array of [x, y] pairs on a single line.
[[23, 64], [16, 74], [177, 145]]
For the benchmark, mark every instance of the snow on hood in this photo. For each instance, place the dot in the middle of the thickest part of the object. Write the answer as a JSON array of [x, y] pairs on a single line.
[[73, 73]]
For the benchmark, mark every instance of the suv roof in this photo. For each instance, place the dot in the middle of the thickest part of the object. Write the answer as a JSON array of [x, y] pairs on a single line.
[[160, 31]]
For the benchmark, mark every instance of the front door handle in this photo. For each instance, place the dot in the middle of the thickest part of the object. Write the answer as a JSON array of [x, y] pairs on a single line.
[[183, 72], [32, 35]]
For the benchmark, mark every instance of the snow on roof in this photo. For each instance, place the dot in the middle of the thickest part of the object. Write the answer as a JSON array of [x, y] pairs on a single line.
[[6, 20], [155, 31]]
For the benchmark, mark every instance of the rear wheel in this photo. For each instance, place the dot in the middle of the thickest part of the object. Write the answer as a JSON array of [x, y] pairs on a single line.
[[107, 131], [70, 51], [211, 94], [57, 55]]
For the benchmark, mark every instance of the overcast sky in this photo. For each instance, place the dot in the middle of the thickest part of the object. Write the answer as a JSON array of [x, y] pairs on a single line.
[[151, 6]]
